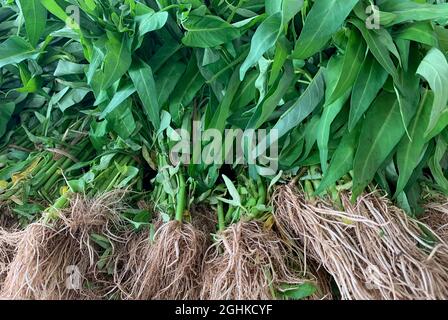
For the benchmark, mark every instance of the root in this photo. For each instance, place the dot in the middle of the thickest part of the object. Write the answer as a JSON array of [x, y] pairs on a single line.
[[204, 219], [7, 219], [436, 217], [247, 262], [9, 240], [372, 250], [170, 267], [134, 264], [59, 261], [131, 263], [44, 259]]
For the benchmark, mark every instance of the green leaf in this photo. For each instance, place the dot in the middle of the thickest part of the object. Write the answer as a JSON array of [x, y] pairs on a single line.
[[381, 131], [442, 38], [406, 87], [208, 31], [53, 7], [272, 99], [185, 91], [333, 74], [290, 8], [263, 39], [324, 19], [121, 119], [15, 50], [311, 133], [329, 114], [303, 107], [440, 126], [167, 79], [282, 50], [72, 97], [272, 7], [368, 84], [292, 148], [143, 79], [31, 86], [404, 11], [299, 110], [35, 16], [422, 32], [353, 61], [119, 97], [151, 22], [163, 54], [403, 47], [435, 164], [116, 62], [342, 159], [411, 149], [219, 118], [236, 199], [300, 291], [65, 68], [377, 46], [434, 68], [100, 240]]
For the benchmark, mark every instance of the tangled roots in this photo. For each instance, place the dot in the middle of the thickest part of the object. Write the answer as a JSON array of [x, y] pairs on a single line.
[[436, 217], [9, 240], [134, 264], [372, 250], [204, 219], [131, 263], [7, 220], [247, 262], [39, 268], [58, 261], [169, 268]]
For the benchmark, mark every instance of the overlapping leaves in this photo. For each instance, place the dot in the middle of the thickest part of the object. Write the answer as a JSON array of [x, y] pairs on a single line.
[[349, 87]]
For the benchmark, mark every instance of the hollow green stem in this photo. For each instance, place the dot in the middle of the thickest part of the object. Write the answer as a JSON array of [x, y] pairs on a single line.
[[52, 213], [221, 219], [229, 214], [44, 174], [261, 191], [56, 175], [309, 189], [181, 198]]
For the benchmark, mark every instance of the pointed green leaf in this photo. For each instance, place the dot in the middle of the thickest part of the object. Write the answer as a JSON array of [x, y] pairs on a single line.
[[377, 47], [411, 149], [208, 31], [35, 16], [381, 131], [353, 60], [434, 68], [143, 79], [342, 160], [263, 39], [119, 97], [15, 50], [324, 19], [368, 84]]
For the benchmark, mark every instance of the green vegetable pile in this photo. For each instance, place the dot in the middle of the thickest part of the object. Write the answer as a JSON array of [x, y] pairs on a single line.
[[95, 94]]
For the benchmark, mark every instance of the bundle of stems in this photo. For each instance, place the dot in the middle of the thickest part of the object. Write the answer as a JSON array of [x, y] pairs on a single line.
[[169, 258], [248, 259], [36, 167], [79, 230]]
